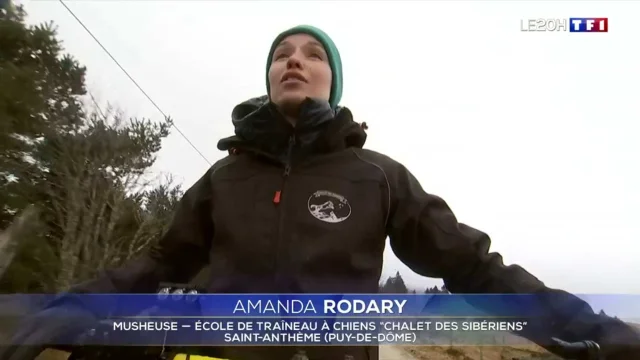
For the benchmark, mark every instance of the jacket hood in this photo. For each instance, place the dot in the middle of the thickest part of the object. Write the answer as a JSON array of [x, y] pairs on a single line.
[[259, 126]]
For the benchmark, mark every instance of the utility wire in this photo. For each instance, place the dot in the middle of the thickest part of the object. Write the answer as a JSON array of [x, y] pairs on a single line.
[[133, 80]]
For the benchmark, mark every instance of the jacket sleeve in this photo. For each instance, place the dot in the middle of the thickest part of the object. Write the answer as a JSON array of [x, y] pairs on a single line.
[[425, 235], [181, 252]]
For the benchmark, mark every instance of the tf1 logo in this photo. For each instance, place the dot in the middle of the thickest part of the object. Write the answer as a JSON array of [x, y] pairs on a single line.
[[572, 25]]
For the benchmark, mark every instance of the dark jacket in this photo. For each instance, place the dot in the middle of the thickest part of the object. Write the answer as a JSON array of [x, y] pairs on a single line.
[[307, 210]]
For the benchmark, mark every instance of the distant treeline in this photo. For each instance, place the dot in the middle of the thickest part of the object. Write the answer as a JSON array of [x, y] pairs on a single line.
[[396, 285]]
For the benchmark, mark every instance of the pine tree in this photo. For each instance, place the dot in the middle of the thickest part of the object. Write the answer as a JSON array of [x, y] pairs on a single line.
[[45, 86], [394, 285], [82, 168]]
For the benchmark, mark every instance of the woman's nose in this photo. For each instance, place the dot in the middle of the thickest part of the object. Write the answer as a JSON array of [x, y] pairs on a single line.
[[294, 61]]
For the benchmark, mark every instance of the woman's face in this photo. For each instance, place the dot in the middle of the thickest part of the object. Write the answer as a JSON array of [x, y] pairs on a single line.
[[299, 69]]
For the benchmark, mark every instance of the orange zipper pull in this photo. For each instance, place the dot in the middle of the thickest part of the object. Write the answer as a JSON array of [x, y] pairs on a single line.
[[276, 197]]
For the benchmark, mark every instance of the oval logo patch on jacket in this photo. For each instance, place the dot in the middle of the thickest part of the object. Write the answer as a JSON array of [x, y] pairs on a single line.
[[328, 206]]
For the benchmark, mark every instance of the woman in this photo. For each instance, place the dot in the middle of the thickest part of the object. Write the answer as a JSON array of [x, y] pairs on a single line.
[[299, 206]]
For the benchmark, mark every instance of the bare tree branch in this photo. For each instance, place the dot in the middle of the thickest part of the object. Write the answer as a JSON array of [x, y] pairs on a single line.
[[11, 236]]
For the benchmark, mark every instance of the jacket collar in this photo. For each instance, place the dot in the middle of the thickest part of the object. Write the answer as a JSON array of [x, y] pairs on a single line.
[[260, 128]]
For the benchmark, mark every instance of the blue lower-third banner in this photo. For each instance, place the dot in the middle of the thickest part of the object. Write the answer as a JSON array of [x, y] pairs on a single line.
[[298, 319]]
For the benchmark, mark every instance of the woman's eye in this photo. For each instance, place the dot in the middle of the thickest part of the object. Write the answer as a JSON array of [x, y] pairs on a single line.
[[280, 56], [317, 56]]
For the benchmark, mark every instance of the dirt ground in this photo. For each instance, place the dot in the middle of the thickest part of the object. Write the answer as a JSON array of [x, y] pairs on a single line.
[[428, 353], [466, 353]]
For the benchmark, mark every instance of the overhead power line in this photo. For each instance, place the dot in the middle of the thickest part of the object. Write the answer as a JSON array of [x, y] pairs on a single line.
[[133, 80]]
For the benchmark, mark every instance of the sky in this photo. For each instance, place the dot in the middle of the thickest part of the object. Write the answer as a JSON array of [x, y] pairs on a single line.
[[528, 136]]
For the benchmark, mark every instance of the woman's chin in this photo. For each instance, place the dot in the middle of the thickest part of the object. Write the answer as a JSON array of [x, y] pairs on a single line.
[[290, 105]]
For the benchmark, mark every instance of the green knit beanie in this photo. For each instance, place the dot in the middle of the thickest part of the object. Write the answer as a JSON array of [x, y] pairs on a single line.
[[332, 53]]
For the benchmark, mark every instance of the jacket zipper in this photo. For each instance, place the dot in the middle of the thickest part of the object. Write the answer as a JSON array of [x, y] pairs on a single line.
[[277, 198]]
